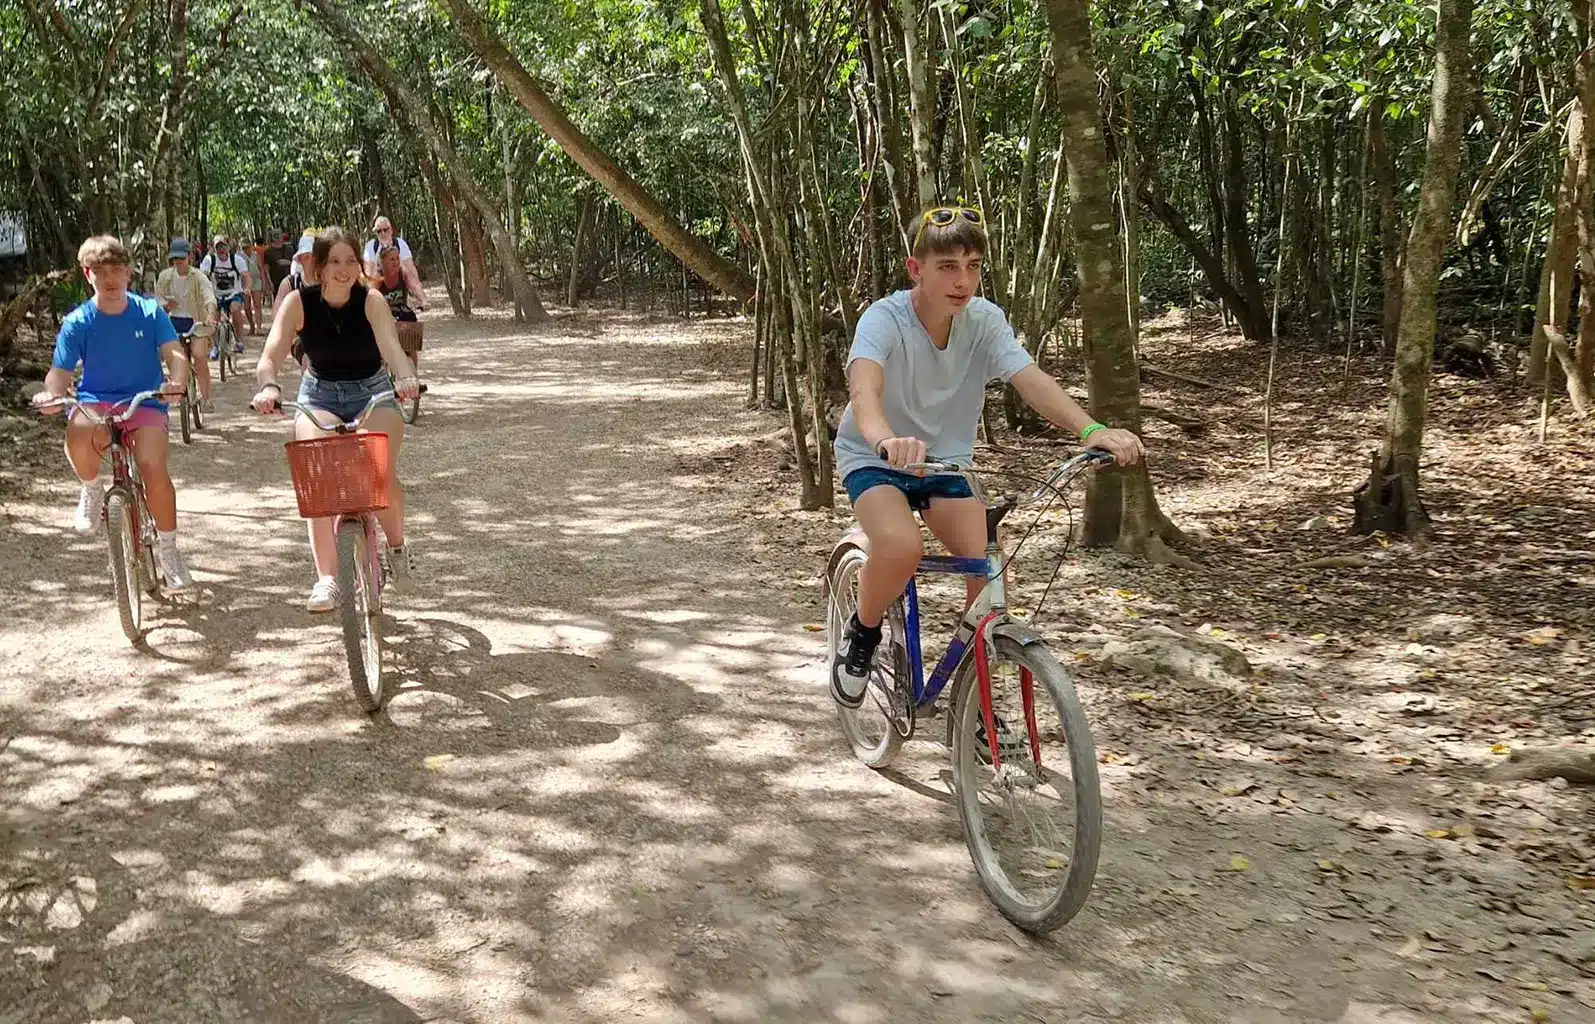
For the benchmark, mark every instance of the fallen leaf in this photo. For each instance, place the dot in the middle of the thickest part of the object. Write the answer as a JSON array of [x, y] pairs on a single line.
[[437, 761], [1500, 748], [1240, 788], [1057, 863], [1438, 833], [1328, 865], [1238, 863], [1581, 882], [1411, 948], [1319, 638], [813, 627], [1539, 1014], [1143, 695]]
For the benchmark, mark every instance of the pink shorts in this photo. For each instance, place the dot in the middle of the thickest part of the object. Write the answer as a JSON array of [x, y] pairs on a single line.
[[147, 415]]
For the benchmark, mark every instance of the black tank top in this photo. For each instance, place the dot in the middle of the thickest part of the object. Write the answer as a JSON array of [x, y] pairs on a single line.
[[339, 342]]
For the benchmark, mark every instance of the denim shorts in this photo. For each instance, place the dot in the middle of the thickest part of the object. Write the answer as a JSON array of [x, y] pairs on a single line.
[[919, 490], [345, 399]]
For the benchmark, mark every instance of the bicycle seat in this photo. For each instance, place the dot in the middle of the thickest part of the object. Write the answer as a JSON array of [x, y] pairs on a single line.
[[996, 511]]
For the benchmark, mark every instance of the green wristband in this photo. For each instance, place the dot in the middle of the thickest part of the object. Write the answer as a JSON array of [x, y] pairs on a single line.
[[1085, 435]]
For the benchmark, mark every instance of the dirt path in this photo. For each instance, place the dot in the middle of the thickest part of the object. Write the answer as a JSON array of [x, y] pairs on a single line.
[[613, 788]]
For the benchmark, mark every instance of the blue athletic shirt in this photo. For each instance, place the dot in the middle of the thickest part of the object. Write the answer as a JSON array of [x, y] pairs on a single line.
[[121, 354]]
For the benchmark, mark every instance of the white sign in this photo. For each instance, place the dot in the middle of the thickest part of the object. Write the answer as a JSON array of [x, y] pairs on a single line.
[[13, 237]]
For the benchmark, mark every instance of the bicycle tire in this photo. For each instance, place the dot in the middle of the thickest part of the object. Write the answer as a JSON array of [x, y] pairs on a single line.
[[362, 636], [411, 411], [183, 407], [859, 724], [224, 347], [119, 527], [970, 757]]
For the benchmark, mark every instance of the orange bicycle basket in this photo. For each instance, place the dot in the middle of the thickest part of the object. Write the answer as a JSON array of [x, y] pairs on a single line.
[[339, 475]]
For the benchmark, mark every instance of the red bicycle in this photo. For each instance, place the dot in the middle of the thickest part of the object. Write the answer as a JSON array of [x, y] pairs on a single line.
[[130, 532]]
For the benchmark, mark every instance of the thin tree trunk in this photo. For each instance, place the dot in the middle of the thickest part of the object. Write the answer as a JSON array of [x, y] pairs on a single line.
[[584, 213], [1120, 507], [527, 305], [1389, 226], [1389, 499], [922, 104], [699, 257], [443, 220], [1554, 306]]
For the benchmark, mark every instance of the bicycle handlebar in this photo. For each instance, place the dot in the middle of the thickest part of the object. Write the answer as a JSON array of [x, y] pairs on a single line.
[[1088, 457], [68, 403], [279, 405]]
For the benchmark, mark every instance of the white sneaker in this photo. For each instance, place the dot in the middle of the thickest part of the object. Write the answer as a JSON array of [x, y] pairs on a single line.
[[173, 567], [323, 596], [401, 570], [91, 508]]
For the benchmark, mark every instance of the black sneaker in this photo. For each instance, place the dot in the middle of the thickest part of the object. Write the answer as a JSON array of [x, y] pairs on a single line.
[[851, 667]]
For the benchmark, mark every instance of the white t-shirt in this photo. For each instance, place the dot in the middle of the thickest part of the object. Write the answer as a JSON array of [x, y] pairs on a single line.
[[228, 276], [372, 248], [933, 394]]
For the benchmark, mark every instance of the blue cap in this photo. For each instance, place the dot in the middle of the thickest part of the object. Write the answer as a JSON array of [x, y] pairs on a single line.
[[179, 249]]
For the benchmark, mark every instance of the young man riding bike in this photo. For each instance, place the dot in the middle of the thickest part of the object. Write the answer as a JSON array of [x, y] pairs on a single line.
[[917, 375]]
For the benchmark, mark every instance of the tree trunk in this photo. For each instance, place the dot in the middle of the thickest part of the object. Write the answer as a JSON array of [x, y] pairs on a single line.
[[1389, 499], [1120, 507], [527, 306], [1389, 226], [922, 104], [888, 123], [443, 220], [478, 283], [1237, 232], [584, 213], [771, 217], [699, 257], [1554, 307], [1579, 367]]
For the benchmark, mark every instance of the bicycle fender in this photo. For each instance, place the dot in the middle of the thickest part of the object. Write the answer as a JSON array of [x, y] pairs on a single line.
[[1018, 632], [855, 538]]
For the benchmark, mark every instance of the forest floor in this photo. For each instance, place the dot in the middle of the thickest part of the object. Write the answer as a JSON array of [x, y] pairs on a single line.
[[612, 786]]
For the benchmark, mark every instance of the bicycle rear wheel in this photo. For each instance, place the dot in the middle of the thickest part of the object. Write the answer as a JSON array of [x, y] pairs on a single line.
[[411, 410], [224, 350], [119, 527], [357, 603], [870, 728], [1033, 825]]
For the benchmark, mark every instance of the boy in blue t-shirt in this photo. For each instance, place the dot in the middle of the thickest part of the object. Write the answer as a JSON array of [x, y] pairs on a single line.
[[120, 339], [917, 377]]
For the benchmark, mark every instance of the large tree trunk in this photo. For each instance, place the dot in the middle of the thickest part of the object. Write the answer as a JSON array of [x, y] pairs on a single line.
[[527, 306], [1120, 506], [1389, 500], [698, 257]]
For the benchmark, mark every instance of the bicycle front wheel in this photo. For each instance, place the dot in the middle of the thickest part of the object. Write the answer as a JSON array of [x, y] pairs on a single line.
[[123, 540], [870, 728], [411, 410], [1033, 823], [362, 636]]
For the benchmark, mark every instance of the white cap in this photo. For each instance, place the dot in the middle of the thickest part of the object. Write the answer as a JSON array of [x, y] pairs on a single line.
[[306, 243]]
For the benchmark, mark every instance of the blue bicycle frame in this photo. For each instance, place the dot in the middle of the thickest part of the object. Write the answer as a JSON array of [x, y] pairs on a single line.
[[992, 599]]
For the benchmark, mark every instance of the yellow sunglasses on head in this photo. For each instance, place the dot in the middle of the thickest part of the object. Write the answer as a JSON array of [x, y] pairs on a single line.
[[941, 216]]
